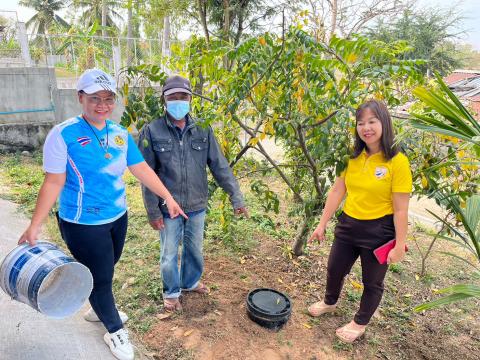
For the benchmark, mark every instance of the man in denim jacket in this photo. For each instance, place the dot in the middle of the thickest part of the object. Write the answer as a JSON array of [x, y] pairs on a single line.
[[179, 151]]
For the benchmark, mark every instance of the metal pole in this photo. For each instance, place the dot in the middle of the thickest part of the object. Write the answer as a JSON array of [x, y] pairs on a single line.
[[151, 58], [23, 40], [73, 57], [94, 57], [135, 49], [120, 51], [113, 58], [49, 44]]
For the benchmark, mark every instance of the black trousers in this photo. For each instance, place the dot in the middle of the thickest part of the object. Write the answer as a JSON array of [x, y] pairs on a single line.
[[99, 247], [358, 238]]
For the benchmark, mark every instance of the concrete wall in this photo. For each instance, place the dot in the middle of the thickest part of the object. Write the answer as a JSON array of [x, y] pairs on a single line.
[[28, 95], [19, 137], [33, 104]]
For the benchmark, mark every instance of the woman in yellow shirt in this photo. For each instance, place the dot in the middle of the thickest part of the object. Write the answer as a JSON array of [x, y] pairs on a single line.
[[377, 184]]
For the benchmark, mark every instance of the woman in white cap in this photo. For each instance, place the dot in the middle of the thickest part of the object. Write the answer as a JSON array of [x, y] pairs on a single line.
[[84, 159]]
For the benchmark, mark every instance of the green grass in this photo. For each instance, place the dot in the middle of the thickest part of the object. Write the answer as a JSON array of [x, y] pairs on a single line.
[[61, 72], [24, 177], [395, 268]]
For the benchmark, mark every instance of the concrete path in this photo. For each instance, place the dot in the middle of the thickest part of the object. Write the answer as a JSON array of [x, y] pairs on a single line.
[[26, 334]]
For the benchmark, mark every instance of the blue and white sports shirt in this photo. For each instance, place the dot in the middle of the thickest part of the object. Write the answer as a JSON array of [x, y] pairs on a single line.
[[94, 192]]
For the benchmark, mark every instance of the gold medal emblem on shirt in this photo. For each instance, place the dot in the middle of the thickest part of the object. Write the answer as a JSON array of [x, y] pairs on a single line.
[[119, 140], [380, 172]]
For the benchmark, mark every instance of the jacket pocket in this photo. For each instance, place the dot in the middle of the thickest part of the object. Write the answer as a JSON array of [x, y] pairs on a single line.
[[199, 150], [163, 149]]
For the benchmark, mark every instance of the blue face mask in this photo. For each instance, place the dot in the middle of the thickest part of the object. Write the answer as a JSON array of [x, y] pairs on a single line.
[[178, 108]]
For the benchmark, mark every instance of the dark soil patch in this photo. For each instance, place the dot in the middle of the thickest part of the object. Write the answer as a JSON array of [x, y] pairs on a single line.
[[216, 326]]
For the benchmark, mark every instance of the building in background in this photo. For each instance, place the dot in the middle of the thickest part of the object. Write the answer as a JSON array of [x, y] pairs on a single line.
[[465, 84]]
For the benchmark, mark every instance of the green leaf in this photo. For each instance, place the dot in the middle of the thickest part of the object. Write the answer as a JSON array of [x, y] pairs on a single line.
[[472, 215], [457, 102], [460, 258], [468, 289], [443, 107], [441, 302]]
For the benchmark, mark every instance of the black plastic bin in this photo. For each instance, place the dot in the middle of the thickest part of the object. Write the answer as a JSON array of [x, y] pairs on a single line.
[[268, 308]]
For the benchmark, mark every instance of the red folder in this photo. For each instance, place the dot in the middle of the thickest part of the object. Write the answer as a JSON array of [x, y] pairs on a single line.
[[381, 253]]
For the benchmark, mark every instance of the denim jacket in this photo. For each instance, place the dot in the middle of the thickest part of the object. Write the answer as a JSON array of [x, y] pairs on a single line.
[[181, 164]]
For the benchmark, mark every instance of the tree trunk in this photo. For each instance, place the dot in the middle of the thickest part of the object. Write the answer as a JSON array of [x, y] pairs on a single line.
[[302, 233], [129, 32], [239, 33], [104, 18], [226, 20], [202, 11], [166, 36], [333, 24], [104, 25], [300, 238], [226, 30]]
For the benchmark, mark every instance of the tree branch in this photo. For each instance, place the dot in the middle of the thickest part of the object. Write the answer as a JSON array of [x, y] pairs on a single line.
[[274, 60], [303, 146], [262, 151], [324, 120]]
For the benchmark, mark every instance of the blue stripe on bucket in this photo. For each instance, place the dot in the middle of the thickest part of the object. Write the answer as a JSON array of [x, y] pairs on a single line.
[[17, 267], [37, 278], [12, 279]]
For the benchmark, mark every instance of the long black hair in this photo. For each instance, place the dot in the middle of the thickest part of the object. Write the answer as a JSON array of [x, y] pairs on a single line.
[[380, 111]]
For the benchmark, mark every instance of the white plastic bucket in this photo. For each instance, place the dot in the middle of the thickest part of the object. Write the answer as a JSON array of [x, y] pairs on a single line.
[[43, 277]]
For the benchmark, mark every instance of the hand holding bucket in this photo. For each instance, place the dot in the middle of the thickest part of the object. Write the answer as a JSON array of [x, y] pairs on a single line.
[[30, 235], [45, 278]]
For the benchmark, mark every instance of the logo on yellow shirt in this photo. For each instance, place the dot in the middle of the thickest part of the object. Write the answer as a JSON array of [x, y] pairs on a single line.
[[119, 140], [380, 172]]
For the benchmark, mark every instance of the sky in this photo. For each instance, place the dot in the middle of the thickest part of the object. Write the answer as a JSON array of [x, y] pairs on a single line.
[[469, 8]]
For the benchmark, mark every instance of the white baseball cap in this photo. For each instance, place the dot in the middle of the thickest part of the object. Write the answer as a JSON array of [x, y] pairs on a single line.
[[93, 80]]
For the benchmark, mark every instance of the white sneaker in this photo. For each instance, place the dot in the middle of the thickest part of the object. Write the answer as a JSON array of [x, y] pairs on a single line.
[[119, 344], [90, 315]]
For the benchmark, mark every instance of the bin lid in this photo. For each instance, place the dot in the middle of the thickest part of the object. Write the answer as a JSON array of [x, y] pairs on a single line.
[[269, 302]]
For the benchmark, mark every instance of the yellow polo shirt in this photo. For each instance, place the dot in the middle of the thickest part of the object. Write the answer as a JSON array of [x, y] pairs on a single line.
[[370, 182]]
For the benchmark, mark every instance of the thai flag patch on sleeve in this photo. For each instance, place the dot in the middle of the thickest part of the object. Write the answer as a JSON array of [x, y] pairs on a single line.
[[84, 140]]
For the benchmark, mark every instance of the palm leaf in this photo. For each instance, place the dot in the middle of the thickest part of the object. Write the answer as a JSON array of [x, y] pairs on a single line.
[[432, 121], [441, 302], [457, 293], [442, 106], [440, 130], [457, 102], [448, 225], [462, 244], [469, 289], [61, 22], [460, 258], [460, 123], [472, 215]]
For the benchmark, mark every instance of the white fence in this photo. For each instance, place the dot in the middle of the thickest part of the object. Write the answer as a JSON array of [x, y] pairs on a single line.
[[72, 53]]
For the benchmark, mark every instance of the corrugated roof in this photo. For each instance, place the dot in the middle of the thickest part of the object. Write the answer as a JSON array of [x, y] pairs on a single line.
[[466, 85], [455, 77]]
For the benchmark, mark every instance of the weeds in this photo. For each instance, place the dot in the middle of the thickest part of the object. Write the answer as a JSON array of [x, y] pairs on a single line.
[[24, 181], [395, 268]]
